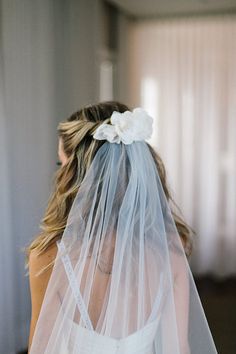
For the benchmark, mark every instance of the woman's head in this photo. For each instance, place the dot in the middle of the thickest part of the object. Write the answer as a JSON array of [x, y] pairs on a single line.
[[76, 150]]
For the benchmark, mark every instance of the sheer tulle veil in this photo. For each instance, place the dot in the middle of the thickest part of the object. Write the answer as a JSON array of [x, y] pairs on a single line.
[[121, 269]]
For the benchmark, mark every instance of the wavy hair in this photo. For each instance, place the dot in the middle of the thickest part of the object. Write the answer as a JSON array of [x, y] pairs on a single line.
[[80, 149]]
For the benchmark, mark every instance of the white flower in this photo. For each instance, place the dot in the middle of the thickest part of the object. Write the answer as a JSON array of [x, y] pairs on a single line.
[[126, 127]]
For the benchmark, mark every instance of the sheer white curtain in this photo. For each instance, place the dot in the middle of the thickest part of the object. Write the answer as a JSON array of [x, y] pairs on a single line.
[[28, 153], [184, 72], [47, 70], [6, 254]]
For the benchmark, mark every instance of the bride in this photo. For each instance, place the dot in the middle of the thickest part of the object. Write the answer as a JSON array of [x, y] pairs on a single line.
[[109, 271]]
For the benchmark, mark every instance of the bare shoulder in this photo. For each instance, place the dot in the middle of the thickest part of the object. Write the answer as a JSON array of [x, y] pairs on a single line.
[[39, 282], [37, 260]]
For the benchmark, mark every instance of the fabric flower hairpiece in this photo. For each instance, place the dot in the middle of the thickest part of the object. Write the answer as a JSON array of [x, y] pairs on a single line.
[[126, 127]]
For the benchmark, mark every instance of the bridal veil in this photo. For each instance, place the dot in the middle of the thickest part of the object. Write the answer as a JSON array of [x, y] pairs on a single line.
[[121, 266]]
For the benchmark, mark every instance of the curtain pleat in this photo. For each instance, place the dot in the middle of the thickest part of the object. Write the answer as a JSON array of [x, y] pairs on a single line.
[[183, 71]]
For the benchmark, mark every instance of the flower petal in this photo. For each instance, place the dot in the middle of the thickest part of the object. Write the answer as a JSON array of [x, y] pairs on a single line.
[[106, 132], [126, 127]]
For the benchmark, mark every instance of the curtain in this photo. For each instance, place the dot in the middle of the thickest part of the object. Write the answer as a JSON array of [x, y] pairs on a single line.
[[183, 72], [6, 256], [48, 69], [28, 152]]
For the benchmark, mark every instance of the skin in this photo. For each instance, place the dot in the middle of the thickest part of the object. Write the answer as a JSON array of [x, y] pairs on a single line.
[[38, 284], [61, 154]]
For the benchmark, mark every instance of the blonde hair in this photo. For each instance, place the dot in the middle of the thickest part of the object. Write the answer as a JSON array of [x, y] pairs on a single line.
[[80, 148]]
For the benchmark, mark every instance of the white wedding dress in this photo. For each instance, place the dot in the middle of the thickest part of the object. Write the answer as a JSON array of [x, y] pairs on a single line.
[[88, 341], [91, 342]]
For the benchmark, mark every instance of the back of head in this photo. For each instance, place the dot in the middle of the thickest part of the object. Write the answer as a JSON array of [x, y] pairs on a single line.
[[76, 134]]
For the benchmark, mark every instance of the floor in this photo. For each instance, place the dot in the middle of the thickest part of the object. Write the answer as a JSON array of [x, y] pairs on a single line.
[[219, 302]]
